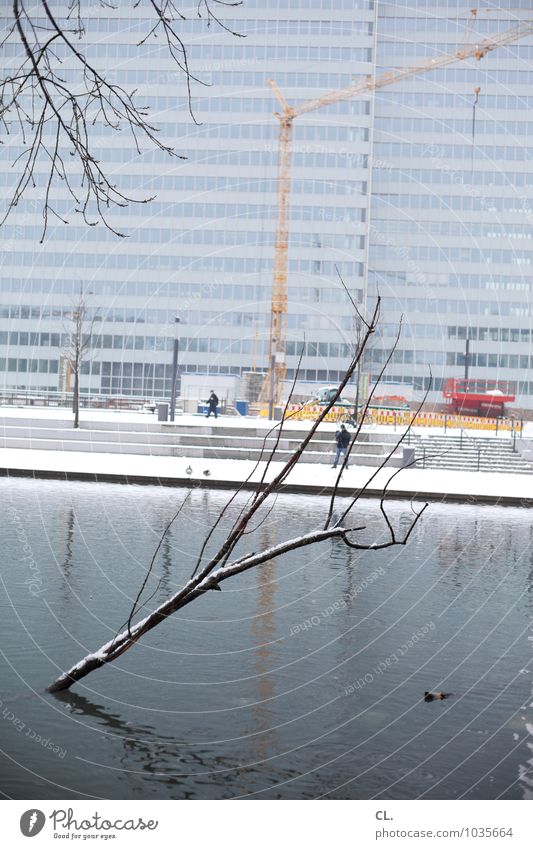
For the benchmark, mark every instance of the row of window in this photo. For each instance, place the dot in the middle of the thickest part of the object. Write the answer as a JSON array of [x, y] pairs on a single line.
[[454, 100], [209, 211], [465, 202], [492, 334], [156, 262], [478, 229], [419, 357], [53, 340], [300, 79], [258, 79], [142, 386], [293, 348], [307, 158], [202, 183], [268, 131], [161, 236], [107, 369], [163, 343], [451, 254], [409, 49], [393, 126], [170, 289], [489, 360], [22, 365], [441, 175], [394, 279], [261, 105], [208, 51], [441, 306], [198, 25], [478, 76], [417, 150], [227, 318], [193, 8], [432, 23], [312, 4], [121, 377], [295, 321], [130, 315], [252, 79], [443, 4]]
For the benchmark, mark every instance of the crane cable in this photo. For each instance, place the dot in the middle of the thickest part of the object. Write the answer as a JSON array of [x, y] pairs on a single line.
[[476, 92]]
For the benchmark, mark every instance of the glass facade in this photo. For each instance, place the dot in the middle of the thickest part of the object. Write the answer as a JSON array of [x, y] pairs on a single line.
[[403, 192], [204, 247], [452, 188]]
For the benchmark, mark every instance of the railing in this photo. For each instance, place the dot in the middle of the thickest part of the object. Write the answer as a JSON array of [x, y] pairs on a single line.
[[60, 399]]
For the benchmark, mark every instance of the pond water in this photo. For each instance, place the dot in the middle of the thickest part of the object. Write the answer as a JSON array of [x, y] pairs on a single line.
[[303, 679]]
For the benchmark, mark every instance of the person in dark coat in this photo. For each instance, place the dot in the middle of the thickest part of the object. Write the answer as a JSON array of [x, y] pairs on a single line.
[[342, 438], [213, 404]]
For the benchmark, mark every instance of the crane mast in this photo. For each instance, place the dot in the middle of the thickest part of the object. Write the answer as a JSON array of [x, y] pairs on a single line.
[[273, 386], [278, 314]]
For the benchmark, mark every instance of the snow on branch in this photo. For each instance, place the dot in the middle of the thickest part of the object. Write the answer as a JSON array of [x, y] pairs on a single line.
[[220, 566]]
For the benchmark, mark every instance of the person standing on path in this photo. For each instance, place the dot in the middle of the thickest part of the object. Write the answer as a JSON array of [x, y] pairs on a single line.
[[342, 438], [213, 404]]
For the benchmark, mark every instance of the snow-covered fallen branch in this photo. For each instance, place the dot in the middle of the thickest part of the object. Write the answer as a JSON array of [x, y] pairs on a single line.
[[220, 566]]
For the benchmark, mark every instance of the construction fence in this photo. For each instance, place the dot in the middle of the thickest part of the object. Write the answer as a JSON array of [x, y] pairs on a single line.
[[399, 418]]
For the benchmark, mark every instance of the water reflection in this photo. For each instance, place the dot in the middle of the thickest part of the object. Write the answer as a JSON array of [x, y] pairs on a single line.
[[264, 633], [241, 706], [176, 768]]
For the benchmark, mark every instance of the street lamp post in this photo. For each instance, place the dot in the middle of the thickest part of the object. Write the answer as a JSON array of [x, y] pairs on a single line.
[[272, 378], [174, 368], [467, 356]]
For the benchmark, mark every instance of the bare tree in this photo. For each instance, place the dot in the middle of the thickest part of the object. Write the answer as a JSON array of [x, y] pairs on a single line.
[[79, 346], [57, 111], [211, 570]]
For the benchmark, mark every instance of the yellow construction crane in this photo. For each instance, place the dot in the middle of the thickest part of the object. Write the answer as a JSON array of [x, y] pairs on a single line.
[[273, 386]]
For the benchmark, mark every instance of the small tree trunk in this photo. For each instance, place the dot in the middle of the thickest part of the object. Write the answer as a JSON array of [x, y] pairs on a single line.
[[76, 399]]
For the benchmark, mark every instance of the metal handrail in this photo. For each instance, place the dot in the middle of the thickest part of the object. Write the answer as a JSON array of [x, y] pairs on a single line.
[[60, 399], [478, 469]]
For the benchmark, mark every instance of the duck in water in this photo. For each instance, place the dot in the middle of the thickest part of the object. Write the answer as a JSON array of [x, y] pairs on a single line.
[[431, 697]]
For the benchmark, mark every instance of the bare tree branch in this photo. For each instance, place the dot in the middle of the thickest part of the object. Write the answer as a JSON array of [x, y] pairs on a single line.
[[58, 111], [218, 569]]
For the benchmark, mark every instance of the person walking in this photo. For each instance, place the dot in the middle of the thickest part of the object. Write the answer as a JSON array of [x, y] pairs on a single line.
[[342, 438], [213, 404]]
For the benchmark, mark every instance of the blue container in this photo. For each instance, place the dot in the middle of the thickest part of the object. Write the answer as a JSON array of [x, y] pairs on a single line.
[[203, 409], [242, 407]]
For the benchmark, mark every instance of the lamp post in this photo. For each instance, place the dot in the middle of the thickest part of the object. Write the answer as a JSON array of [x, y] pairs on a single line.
[[467, 356], [174, 368], [272, 378]]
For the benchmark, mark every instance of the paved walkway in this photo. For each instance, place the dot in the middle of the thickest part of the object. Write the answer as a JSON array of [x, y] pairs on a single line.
[[432, 484]]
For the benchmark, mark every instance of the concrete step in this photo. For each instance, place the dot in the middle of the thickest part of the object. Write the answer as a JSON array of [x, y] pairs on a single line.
[[193, 451], [154, 441], [469, 454]]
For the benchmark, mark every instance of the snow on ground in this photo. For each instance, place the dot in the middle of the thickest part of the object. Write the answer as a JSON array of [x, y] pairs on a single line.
[[424, 483], [244, 422], [503, 488]]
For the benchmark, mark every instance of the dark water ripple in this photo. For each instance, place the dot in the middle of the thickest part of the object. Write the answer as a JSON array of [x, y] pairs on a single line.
[[301, 680]]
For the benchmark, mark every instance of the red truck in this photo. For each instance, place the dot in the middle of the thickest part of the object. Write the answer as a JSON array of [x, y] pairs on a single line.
[[478, 397]]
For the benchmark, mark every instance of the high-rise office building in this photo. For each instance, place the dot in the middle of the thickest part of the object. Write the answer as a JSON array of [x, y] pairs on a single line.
[[419, 191], [452, 196]]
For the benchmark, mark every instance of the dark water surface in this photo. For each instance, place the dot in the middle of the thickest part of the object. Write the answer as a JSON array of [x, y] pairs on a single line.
[[302, 679]]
